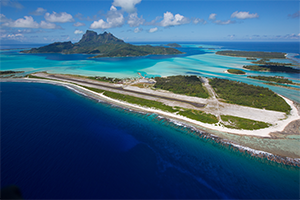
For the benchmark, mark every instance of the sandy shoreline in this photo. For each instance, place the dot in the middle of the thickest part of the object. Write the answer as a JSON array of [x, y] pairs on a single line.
[[259, 133], [184, 120]]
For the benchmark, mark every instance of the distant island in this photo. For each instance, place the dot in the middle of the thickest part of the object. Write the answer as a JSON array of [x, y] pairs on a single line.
[[262, 64], [104, 45], [272, 68], [275, 79], [253, 54], [173, 45], [10, 72]]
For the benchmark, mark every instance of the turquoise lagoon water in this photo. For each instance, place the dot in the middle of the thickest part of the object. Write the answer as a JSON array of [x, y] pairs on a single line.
[[195, 61], [52, 148]]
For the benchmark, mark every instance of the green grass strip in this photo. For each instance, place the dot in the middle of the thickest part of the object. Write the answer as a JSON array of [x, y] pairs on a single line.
[[140, 101], [242, 123], [32, 76], [199, 116], [135, 100]]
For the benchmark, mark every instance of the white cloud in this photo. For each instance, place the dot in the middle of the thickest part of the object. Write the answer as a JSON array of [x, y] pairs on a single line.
[[137, 30], [295, 15], [12, 35], [26, 22], [38, 11], [153, 22], [9, 3], [80, 16], [127, 5], [220, 22], [286, 37], [243, 15], [26, 31], [3, 18], [62, 17], [212, 16], [152, 30], [114, 19], [77, 24], [134, 20], [171, 20], [78, 32], [47, 25], [198, 20], [17, 37]]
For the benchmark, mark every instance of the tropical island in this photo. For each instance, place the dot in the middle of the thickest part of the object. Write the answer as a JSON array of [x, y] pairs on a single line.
[[216, 104], [173, 45], [272, 68], [263, 64], [103, 45], [265, 61], [235, 71], [275, 79], [253, 54], [278, 81]]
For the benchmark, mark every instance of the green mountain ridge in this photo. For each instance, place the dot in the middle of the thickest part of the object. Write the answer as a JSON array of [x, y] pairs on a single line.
[[106, 45]]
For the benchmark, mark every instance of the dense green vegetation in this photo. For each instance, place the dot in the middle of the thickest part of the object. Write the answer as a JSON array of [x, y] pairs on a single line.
[[230, 121], [255, 54], [235, 71], [106, 45], [105, 79], [143, 50], [135, 100], [242, 123], [276, 79], [199, 116], [248, 95], [187, 85], [264, 62], [272, 68], [192, 114], [10, 72]]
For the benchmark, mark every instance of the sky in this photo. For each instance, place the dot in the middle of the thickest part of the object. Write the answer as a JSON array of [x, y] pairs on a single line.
[[39, 21]]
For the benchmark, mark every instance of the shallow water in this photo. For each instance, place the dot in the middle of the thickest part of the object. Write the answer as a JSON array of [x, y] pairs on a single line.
[[195, 61]]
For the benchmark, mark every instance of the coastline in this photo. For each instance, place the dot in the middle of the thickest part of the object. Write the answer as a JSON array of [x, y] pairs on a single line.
[[204, 130]]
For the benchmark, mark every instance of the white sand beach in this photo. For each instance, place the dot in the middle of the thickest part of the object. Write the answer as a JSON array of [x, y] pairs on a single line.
[[279, 126]]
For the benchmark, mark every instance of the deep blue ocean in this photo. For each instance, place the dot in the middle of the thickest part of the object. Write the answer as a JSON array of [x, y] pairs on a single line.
[[57, 144]]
